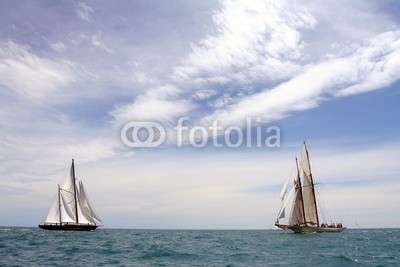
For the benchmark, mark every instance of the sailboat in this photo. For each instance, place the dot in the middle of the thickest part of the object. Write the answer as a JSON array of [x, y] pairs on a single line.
[[303, 217], [71, 209]]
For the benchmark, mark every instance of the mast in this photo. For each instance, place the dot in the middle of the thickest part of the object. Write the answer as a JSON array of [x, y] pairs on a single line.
[[301, 192], [59, 203], [312, 183], [73, 180]]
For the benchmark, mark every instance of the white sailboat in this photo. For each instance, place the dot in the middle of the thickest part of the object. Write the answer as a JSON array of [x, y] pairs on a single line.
[[71, 208], [301, 199]]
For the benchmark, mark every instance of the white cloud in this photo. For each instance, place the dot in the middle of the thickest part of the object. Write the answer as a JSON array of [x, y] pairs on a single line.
[[250, 42], [31, 76], [59, 47], [42, 157], [84, 12], [157, 104], [377, 64], [255, 41], [372, 66], [100, 44], [204, 94]]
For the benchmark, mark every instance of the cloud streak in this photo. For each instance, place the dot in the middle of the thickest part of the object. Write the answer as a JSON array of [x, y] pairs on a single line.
[[370, 67], [31, 76]]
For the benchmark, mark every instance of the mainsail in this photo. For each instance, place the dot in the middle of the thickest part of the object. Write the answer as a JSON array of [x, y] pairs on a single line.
[[72, 205], [310, 204]]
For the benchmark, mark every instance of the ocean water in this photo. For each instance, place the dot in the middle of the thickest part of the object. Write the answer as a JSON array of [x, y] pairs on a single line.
[[116, 247]]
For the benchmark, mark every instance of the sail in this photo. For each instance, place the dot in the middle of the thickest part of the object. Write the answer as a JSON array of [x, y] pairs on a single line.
[[53, 215], [68, 193], [67, 215], [296, 216], [284, 189], [310, 206], [285, 202], [85, 207]]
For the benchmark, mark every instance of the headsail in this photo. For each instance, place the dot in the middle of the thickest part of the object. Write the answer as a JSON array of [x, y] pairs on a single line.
[[284, 189], [286, 201], [53, 216]]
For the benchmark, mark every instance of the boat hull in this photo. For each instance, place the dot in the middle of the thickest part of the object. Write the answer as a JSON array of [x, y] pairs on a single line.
[[68, 227], [282, 226], [315, 229], [310, 229]]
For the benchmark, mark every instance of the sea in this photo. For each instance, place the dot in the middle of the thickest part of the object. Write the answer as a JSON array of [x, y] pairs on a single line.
[[120, 247]]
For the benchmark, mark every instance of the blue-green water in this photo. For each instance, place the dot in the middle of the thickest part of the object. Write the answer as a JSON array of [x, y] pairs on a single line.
[[108, 247]]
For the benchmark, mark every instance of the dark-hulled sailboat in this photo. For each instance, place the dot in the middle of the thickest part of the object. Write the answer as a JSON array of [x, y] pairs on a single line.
[[304, 210], [71, 209]]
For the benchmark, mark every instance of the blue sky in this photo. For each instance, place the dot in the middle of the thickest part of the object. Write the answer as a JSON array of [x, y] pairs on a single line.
[[72, 73]]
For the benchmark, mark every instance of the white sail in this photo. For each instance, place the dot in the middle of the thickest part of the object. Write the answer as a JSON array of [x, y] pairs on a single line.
[[89, 203], [84, 217], [68, 193], [284, 189], [310, 206], [53, 216], [67, 214], [286, 201], [296, 216], [85, 207]]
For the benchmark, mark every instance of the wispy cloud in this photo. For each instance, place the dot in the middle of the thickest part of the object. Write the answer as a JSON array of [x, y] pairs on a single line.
[[157, 104], [31, 76], [100, 44], [372, 66], [59, 47], [43, 157], [84, 12]]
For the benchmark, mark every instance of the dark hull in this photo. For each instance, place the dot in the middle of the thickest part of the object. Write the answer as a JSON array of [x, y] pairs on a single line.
[[310, 229], [68, 227], [313, 229]]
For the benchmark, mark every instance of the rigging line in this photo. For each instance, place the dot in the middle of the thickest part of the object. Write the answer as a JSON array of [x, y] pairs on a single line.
[[66, 191], [333, 204], [321, 203], [309, 185]]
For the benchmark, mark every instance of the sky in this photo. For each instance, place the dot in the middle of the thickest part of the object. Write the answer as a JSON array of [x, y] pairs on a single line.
[[73, 73]]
